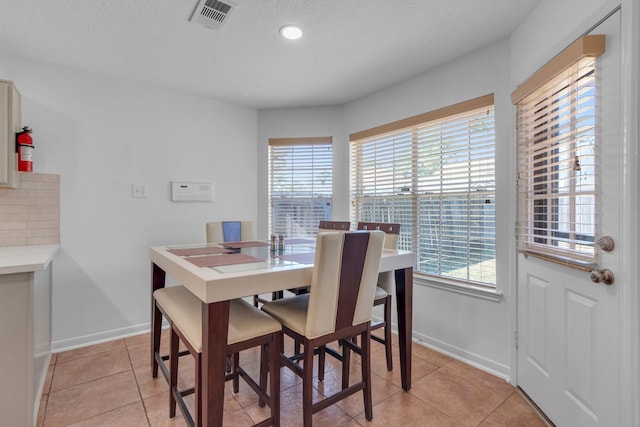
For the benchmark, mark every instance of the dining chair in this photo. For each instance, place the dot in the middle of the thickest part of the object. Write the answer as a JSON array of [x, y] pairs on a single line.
[[229, 231], [338, 307], [234, 231], [323, 226], [334, 226], [385, 286], [248, 328]]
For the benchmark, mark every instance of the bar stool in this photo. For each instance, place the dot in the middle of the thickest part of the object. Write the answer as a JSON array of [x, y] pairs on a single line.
[[386, 283], [248, 328], [325, 226], [338, 307], [234, 231], [229, 231]]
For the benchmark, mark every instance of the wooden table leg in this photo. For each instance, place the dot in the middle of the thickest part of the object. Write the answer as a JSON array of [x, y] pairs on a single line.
[[158, 277], [404, 304], [215, 325]]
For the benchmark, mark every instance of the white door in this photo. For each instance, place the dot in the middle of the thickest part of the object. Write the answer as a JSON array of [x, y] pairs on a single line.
[[568, 326]]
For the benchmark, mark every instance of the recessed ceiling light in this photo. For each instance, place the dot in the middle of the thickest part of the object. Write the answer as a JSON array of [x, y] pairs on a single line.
[[291, 32]]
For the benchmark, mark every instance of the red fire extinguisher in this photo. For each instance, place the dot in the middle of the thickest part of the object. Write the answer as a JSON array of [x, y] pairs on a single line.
[[24, 146]]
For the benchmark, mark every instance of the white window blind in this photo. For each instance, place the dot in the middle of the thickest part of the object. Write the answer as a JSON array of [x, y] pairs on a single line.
[[557, 164], [436, 178], [300, 184]]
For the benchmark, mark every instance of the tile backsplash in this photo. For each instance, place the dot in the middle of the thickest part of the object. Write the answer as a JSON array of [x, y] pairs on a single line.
[[30, 214]]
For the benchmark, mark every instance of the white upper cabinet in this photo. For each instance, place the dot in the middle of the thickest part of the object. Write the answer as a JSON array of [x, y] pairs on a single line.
[[10, 123]]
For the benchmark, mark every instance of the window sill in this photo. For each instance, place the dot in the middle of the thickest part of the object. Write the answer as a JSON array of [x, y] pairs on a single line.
[[459, 288]]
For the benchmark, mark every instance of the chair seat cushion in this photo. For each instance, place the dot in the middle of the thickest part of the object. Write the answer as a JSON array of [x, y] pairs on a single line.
[[185, 311], [380, 293], [291, 312]]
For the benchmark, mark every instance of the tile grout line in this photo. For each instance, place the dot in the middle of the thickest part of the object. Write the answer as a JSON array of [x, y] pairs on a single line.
[[144, 407]]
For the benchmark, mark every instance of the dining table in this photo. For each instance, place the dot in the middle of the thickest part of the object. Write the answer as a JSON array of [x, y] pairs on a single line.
[[220, 272]]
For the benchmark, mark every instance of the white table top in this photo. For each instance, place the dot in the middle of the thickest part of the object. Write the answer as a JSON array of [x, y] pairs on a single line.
[[22, 259], [212, 284]]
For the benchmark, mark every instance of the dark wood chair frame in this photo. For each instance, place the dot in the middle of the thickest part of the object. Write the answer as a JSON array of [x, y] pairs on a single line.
[[334, 225], [270, 347], [344, 334], [389, 228], [324, 225]]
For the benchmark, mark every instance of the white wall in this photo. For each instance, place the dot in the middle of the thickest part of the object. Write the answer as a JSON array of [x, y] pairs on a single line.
[[550, 27], [101, 135], [467, 327], [304, 122], [473, 329]]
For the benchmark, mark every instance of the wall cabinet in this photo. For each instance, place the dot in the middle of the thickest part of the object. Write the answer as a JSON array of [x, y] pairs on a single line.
[[10, 123]]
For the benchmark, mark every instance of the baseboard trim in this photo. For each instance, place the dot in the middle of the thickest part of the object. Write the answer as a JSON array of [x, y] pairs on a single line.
[[498, 369], [87, 340]]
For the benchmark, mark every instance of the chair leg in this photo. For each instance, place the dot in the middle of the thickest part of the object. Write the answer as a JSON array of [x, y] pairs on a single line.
[[322, 351], [155, 340], [234, 371], [174, 343], [255, 301], [307, 388], [274, 375], [264, 370], [346, 365], [387, 333], [366, 374]]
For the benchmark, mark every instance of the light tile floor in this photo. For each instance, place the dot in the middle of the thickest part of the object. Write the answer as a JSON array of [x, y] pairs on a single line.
[[110, 384]]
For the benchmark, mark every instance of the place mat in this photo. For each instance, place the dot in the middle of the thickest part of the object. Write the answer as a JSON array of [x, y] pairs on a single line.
[[304, 258], [207, 250], [298, 241], [236, 245], [220, 260]]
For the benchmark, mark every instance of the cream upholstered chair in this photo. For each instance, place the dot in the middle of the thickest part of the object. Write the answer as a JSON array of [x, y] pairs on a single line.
[[323, 227], [337, 307], [386, 283], [334, 226], [248, 327], [229, 231], [234, 231]]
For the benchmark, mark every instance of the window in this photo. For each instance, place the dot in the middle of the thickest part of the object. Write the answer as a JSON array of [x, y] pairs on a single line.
[[300, 184], [557, 136], [435, 175]]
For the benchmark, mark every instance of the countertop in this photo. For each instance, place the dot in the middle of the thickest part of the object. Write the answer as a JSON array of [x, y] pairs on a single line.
[[23, 259]]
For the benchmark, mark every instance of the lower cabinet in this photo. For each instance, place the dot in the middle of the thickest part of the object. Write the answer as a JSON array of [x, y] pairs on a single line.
[[25, 352]]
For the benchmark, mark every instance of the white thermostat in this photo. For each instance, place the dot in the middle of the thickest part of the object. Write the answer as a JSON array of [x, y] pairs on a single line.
[[191, 191]]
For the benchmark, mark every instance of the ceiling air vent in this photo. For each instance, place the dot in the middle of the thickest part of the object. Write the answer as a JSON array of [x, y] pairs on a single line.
[[212, 13]]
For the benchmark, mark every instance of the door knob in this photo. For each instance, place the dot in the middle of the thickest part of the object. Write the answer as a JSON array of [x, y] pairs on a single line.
[[606, 243], [602, 276]]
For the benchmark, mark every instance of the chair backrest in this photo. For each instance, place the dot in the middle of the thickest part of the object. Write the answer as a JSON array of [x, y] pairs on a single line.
[[343, 284], [229, 231], [334, 226], [391, 229]]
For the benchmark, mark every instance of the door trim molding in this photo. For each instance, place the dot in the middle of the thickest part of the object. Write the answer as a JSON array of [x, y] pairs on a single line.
[[630, 297]]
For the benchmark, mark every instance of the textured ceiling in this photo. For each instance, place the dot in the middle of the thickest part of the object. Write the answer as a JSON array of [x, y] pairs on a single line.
[[350, 48]]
